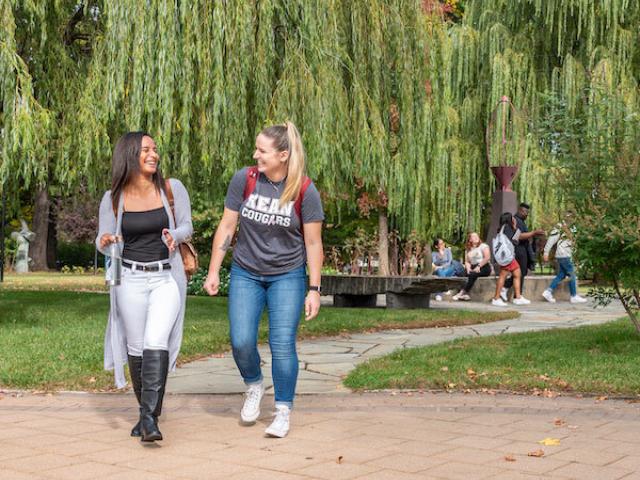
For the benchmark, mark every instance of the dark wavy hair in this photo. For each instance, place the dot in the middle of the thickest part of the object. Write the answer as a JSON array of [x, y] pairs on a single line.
[[125, 163], [505, 219]]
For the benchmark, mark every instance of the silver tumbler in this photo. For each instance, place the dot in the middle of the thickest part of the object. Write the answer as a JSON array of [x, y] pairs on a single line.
[[113, 270]]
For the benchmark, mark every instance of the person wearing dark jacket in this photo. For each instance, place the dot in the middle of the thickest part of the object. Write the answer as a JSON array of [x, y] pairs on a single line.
[[524, 251]]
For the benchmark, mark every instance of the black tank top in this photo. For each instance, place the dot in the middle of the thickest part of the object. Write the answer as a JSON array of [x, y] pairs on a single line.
[[142, 234]]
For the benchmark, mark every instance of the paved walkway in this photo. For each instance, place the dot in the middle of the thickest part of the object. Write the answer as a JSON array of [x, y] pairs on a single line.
[[385, 435], [323, 362], [334, 436]]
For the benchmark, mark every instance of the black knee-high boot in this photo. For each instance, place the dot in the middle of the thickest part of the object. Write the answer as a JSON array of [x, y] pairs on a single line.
[[135, 370], [155, 366]]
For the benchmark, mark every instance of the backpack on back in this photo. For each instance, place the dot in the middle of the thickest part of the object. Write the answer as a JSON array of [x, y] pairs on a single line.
[[503, 250], [252, 180]]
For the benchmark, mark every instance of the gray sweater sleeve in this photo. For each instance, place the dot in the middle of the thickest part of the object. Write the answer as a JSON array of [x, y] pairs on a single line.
[[106, 220], [184, 227]]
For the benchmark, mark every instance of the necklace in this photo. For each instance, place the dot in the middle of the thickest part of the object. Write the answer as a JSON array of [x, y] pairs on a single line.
[[275, 185]]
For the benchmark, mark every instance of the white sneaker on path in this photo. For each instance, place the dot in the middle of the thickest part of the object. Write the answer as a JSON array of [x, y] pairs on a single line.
[[499, 303], [280, 425], [548, 296], [252, 398], [504, 294], [578, 299], [521, 301]]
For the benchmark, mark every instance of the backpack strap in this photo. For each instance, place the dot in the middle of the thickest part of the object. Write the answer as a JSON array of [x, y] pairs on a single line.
[[306, 181], [250, 183], [250, 186]]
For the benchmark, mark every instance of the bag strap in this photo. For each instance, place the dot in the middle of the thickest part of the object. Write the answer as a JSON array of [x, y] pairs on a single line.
[[169, 192]]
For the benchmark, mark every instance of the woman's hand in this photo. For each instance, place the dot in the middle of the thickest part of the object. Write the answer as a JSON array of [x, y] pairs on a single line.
[[477, 269], [311, 305], [107, 239], [171, 243], [212, 283], [546, 257]]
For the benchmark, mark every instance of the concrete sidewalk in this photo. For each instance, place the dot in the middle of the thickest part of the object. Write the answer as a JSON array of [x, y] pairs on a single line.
[[369, 436], [325, 361]]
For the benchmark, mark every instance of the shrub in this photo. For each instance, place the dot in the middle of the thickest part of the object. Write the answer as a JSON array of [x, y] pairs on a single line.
[[194, 287]]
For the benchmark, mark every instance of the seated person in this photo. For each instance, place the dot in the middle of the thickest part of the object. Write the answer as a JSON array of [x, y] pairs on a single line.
[[442, 262], [477, 263]]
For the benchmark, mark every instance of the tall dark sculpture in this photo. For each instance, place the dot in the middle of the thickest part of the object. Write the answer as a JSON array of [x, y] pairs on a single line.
[[504, 199]]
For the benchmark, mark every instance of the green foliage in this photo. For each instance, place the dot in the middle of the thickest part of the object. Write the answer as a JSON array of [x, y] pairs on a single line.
[[594, 149], [194, 287], [77, 254]]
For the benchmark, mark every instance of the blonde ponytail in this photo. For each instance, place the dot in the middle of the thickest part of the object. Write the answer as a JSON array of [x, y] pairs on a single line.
[[295, 165], [286, 137]]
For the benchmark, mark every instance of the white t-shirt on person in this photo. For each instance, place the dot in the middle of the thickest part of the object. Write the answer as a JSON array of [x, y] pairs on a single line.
[[475, 255]]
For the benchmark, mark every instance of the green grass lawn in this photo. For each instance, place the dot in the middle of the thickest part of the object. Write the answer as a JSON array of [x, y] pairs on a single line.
[[599, 360], [54, 339]]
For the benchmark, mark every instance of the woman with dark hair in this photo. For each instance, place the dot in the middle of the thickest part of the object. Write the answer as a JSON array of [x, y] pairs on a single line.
[[280, 216], [147, 308], [443, 264], [509, 227]]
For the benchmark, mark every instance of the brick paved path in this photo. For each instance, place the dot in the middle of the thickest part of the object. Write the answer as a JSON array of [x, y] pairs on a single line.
[[369, 436]]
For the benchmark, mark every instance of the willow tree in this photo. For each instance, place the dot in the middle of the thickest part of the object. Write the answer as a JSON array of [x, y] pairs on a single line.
[[530, 49], [44, 51], [386, 93]]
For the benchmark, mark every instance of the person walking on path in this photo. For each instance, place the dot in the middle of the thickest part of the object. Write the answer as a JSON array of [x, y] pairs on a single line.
[[524, 253], [280, 216], [147, 308], [477, 263], [508, 226], [562, 236]]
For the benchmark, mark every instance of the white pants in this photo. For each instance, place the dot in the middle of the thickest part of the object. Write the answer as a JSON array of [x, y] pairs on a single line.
[[148, 303]]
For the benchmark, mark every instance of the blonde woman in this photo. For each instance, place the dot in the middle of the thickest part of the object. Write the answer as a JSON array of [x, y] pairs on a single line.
[[280, 216], [477, 263]]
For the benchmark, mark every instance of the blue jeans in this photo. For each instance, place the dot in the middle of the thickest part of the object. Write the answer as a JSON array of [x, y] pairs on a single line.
[[445, 271], [565, 270], [283, 295]]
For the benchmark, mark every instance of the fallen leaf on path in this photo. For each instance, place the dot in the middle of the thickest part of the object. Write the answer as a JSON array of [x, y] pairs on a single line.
[[550, 442], [452, 385], [537, 453], [339, 460], [509, 458], [602, 398], [559, 422]]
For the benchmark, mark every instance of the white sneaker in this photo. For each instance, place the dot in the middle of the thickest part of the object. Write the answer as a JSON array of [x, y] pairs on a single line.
[[578, 299], [438, 298], [252, 398], [548, 296], [521, 301], [457, 296], [280, 425], [498, 303], [504, 294], [465, 297]]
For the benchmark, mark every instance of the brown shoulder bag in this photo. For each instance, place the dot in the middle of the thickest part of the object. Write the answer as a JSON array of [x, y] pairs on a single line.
[[187, 250]]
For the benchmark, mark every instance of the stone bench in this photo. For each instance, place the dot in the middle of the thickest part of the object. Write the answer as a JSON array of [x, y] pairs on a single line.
[[534, 285], [401, 292]]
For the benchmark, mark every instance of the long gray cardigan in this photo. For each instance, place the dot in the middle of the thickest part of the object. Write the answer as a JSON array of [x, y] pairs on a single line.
[[115, 341]]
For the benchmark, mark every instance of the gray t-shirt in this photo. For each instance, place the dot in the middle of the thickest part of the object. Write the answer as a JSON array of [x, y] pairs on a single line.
[[270, 240]]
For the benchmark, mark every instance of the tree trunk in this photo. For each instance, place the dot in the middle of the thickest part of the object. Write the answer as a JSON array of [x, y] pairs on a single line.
[[52, 239], [38, 248], [383, 242]]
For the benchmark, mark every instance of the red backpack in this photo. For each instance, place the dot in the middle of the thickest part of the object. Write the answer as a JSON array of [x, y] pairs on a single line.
[[252, 180]]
